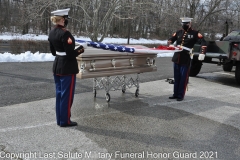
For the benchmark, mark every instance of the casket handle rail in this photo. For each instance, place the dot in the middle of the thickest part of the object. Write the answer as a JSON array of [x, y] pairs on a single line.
[[82, 67], [153, 61], [92, 63], [113, 62], [116, 68], [131, 62], [150, 61]]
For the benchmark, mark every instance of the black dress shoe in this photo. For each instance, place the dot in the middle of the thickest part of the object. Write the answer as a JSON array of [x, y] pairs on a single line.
[[179, 99], [69, 125], [172, 97]]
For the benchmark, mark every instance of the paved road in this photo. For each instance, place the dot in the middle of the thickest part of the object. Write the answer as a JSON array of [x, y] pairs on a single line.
[[26, 82], [205, 125]]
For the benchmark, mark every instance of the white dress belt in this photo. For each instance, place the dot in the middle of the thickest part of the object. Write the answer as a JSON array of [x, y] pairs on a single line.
[[186, 48], [61, 53]]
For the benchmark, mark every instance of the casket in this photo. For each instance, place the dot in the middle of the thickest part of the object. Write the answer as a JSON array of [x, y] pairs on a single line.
[[95, 63]]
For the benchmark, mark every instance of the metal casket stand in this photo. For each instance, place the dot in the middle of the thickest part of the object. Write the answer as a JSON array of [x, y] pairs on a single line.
[[109, 69], [115, 83]]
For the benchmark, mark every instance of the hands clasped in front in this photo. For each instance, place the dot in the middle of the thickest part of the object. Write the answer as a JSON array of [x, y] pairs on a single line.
[[80, 49]]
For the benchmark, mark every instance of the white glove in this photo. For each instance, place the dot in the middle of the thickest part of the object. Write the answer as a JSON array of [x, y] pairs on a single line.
[[191, 55], [201, 57]]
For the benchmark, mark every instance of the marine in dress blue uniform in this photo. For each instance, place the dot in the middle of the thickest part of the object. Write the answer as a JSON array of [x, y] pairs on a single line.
[[65, 67], [185, 38]]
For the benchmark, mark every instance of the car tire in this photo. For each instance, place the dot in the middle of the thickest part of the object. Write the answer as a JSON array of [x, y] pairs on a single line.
[[227, 67], [237, 73]]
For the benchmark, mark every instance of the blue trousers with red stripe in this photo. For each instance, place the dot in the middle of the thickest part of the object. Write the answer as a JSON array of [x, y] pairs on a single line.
[[180, 80], [65, 87]]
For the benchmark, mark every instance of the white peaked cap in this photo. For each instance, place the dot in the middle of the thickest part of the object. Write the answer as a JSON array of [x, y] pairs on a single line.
[[61, 12], [186, 19]]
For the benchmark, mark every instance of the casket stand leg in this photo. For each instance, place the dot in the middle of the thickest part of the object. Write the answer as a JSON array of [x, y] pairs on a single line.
[[137, 85], [94, 87], [107, 95], [115, 83], [124, 84]]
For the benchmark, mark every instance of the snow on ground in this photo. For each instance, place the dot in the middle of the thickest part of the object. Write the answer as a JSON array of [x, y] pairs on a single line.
[[28, 56]]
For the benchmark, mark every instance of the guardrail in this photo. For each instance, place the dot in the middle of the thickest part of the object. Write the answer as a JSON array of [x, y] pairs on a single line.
[[21, 46], [4, 46]]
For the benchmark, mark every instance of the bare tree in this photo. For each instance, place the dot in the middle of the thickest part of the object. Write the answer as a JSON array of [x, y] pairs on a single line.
[[123, 18]]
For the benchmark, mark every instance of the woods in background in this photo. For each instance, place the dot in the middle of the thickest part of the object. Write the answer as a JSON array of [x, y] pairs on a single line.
[[121, 18]]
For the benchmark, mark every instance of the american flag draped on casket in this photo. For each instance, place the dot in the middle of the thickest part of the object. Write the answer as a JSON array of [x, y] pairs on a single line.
[[130, 48]]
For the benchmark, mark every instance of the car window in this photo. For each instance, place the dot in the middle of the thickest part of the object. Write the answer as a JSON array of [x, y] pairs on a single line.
[[234, 33]]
